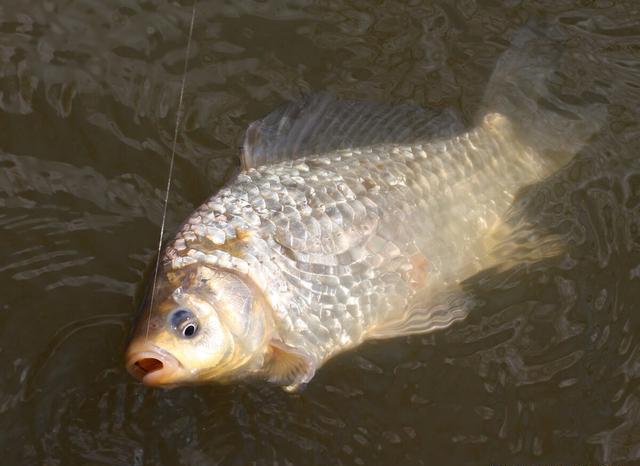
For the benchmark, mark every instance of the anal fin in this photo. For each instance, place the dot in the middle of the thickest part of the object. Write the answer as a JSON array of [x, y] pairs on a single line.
[[517, 241]]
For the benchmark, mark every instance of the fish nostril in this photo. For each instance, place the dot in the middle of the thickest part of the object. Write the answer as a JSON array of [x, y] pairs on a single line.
[[148, 365]]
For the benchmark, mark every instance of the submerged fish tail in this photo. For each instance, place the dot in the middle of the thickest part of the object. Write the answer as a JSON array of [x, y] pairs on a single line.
[[522, 88]]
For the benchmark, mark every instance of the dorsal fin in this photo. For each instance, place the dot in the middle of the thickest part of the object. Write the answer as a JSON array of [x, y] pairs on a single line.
[[320, 123]]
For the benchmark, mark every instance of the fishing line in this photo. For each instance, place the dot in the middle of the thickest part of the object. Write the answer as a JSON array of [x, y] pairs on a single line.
[[171, 163]]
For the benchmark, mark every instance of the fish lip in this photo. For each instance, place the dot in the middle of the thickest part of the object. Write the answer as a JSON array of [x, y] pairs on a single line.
[[170, 365]]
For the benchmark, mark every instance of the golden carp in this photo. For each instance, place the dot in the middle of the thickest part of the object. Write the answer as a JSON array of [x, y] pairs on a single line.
[[343, 225]]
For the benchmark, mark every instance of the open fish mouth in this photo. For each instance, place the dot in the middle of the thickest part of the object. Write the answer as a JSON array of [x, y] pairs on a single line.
[[151, 365]]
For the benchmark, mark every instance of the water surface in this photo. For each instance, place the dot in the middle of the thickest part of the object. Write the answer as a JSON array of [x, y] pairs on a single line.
[[545, 370]]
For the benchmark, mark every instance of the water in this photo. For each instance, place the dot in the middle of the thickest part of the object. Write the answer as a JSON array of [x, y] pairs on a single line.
[[547, 368]]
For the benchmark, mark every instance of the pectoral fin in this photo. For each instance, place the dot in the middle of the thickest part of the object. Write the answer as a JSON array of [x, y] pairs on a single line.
[[290, 367]]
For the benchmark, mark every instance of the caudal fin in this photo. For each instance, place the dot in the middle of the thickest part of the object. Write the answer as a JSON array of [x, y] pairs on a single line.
[[521, 88]]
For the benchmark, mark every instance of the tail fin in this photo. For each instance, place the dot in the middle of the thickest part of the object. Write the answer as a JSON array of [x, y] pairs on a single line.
[[521, 89]]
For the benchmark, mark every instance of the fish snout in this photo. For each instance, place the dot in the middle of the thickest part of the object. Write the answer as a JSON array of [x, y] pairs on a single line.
[[151, 366]]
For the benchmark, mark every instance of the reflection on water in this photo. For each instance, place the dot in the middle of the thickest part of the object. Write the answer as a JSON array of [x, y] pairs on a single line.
[[545, 370]]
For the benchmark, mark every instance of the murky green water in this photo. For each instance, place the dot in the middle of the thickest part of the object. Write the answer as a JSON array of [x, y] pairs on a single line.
[[546, 370]]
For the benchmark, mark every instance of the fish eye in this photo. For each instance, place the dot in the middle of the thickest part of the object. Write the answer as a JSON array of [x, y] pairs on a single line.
[[184, 323]]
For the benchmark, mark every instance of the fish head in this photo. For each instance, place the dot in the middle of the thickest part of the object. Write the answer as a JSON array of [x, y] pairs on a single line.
[[202, 324]]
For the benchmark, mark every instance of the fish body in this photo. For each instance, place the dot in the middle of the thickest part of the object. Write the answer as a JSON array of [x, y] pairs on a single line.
[[340, 243], [301, 257]]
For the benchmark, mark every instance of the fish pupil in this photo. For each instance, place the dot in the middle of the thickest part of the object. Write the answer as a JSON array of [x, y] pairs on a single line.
[[189, 330]]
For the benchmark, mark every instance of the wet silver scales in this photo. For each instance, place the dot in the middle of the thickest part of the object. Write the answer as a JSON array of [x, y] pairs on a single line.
[[341, 243]]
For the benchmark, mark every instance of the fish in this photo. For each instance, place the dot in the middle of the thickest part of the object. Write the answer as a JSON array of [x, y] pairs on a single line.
[[347, 222]]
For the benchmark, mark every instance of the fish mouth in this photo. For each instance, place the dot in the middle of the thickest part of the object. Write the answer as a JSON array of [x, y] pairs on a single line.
[[151, 365]]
